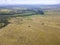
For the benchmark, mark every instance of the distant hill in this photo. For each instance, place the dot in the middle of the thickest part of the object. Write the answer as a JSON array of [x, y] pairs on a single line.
[[42, 7], [31, 6], [47, 7]]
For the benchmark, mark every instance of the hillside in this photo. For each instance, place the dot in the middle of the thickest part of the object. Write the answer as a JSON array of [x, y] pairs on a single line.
[[31, 30], [26, 28]]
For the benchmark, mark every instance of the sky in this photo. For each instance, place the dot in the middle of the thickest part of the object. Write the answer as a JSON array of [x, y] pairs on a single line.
[[13, 2]]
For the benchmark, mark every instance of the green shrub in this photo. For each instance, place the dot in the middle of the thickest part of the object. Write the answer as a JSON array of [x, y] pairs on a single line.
[[2, 25]]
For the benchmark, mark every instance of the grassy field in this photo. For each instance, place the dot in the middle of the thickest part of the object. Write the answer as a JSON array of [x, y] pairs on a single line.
[[32, 30]]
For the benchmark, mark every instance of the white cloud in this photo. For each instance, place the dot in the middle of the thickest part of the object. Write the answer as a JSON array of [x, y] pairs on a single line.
[[29, 1]]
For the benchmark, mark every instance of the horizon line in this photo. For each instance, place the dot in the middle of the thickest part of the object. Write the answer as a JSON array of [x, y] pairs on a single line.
[[29, 4]]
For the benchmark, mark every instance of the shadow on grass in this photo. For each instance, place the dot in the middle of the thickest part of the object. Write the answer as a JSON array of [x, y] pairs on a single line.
[[5, 24]]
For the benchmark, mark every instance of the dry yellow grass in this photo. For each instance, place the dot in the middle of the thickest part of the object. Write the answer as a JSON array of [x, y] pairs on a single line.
[[33, 30]]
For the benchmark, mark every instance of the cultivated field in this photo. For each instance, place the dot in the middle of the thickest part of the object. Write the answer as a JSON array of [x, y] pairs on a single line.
[[32, 30]]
